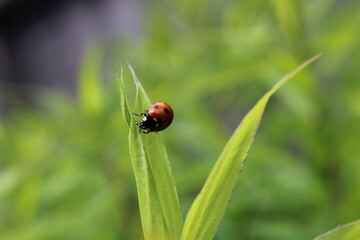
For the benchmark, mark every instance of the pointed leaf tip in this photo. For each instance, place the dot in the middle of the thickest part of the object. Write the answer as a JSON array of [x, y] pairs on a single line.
[[209, 207]]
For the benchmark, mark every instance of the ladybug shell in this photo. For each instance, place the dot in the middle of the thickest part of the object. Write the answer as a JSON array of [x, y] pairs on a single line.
[[163, 115]]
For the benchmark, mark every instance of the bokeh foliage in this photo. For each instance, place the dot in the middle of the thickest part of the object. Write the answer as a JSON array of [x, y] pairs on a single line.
[[64, 166]]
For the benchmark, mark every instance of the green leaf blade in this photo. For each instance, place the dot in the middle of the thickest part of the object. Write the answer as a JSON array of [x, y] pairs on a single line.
[[150, 212], [124, 102], [151, 217], [160, 171], [349, 231], [209, 207], [165, 184]]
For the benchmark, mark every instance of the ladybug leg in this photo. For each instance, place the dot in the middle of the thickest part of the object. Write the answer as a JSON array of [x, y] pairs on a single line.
[[142, 124], [139, 115]]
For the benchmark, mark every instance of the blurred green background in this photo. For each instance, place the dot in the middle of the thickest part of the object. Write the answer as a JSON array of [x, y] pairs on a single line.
[[65, 171]]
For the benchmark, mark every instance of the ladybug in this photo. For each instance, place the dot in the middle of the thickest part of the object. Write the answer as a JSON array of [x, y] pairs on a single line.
[[158, 117]]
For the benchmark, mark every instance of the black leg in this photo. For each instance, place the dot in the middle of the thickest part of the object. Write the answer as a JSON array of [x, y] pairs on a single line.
[[139, 115], [137, 124], [142, 114]]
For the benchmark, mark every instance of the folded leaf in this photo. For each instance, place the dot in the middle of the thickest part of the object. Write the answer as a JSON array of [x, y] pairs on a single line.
[[161, 171], [159, 205]]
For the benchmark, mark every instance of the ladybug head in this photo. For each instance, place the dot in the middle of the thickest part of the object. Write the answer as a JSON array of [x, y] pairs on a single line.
[[147, 124]]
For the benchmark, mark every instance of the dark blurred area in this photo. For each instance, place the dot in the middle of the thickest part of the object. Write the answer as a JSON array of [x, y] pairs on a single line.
[[42, 42]]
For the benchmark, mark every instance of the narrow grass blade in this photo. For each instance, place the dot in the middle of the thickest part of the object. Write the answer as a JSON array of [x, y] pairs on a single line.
[[208, 208], [90, 85], [151, 216], [349, 231], [124, 104], [161, 171]]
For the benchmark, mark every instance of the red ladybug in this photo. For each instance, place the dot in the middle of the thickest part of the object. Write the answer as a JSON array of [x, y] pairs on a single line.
[[158, 117]]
